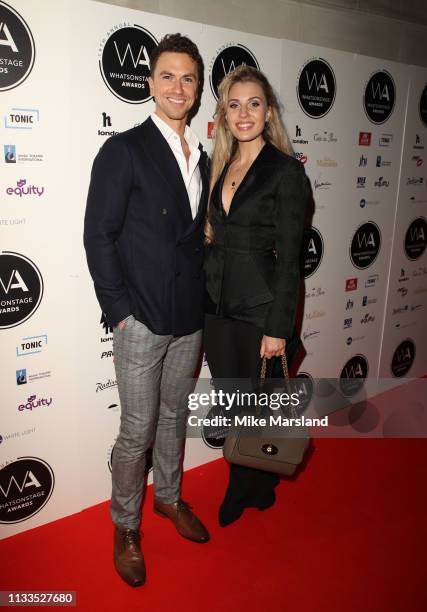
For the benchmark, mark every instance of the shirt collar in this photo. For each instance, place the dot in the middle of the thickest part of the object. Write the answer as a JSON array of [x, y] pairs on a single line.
[[168, 132]]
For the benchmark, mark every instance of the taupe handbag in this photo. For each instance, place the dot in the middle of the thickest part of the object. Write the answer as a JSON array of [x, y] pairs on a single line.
[[273, 448]]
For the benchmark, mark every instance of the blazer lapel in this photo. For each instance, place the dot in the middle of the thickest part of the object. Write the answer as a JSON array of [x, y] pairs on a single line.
[[165, 163], [201, 211]]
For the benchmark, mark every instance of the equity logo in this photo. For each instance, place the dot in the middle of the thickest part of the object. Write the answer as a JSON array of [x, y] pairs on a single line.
[[17, 50], [381, 182], [32, 403], [125, 62], [22, 189]]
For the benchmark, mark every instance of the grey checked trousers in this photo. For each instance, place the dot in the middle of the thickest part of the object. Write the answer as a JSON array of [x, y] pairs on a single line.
[[154, 375]]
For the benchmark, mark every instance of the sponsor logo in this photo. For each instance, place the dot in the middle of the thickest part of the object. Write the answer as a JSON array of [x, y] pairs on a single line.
[[400, 310], [367, 318], [348, 323], [227, 59], [361, 182], [32, 403], [22, 189], [312, 251], [365, 245], [324, 137], [416, 307], [10, 154], [107, 354], [415, 200], [418, 143], [365, 139], [363, 161], [106, 123], [415, 181], [26, 485], [314, 314], [385, 140], [379, 97], [211, 129], [309, 334], [301, 157], [17, 50], [21, 377], [31, 345], [421, 271], [363, 203], [418, 160], [21, 289], [382, 162], [403, 358], [316, 88], [20, 221], [349, 305], [366, 301], [100, 386], [416, 238], [371, 281], [327, 162], [351, 284], [402, 291], [16, 434], [381, 182], [108, 330], [353, 375], [314, 292], [321, 184], [22, 118], [403, 278], [299, 139], [124, 62], [352, 339], [422, 106]]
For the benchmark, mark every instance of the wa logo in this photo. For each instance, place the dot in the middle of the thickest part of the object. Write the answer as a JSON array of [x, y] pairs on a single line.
[[17, 50], [415, 238], [379, 97], [21, 289], [228, 58], [316, 88], [403, 358], [353, 375], [365, 245], [125, 63], [25, 487], [312, 251]]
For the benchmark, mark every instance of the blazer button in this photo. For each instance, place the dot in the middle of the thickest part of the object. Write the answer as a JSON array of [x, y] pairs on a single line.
[[164, 211], [177, 273]]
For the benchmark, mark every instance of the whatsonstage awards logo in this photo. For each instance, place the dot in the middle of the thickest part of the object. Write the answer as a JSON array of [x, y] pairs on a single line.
[[21, 289], [365, 245], [26, 486], [17, 49], [416, 238], [316, 88], [124, 62], [353, 374], [228, 57], [422, 107], [403, 358], [312, 251], [379, 97]]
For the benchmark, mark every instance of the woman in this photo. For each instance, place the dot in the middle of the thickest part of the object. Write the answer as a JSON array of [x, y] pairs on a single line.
[[253, 234]]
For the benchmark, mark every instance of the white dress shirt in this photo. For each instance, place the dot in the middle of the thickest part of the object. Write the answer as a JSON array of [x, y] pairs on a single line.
[[190, 172]]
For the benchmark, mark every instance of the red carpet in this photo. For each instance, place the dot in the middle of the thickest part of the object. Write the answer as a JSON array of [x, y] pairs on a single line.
[[349, 534]]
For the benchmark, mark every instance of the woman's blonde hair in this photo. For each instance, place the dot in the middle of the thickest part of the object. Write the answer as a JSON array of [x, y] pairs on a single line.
[[225, 143]]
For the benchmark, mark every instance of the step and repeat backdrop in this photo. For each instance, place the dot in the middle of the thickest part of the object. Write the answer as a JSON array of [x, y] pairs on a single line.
[[72, 74]]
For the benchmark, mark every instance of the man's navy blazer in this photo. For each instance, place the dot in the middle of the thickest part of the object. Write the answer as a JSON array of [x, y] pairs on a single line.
[[144, 250]]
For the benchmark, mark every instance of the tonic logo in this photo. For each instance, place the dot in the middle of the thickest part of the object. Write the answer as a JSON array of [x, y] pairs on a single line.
[[18, 284], [31, 345], [6, 38], [316, 88]]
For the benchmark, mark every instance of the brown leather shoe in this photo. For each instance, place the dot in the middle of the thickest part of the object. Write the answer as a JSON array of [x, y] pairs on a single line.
[[128, 557], [186, 522]]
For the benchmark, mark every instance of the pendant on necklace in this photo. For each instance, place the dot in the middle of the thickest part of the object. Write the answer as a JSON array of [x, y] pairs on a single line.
[[233, 185]]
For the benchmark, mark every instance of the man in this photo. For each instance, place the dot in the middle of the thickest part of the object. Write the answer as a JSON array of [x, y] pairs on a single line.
[[144, 243]]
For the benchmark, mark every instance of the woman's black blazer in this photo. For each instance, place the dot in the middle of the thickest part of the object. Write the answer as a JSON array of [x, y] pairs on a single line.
[[253, 266]]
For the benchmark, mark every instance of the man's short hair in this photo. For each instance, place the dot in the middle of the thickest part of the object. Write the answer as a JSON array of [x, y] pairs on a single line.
[[175, 43]]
